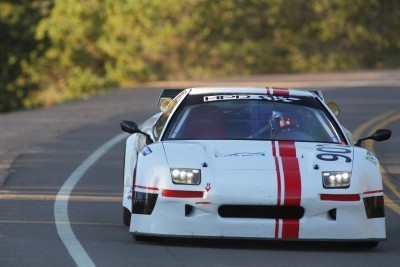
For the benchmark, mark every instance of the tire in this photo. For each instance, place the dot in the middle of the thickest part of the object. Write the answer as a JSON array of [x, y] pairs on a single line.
[[126, 216]]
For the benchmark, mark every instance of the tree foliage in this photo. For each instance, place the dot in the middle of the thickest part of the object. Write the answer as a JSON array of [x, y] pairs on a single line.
[[17, 30], [87, 46]]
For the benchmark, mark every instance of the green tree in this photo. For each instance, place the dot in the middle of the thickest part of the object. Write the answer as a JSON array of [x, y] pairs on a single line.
[[345, 35], [17, 31], [88, 46], [73, 66], [364, 32]]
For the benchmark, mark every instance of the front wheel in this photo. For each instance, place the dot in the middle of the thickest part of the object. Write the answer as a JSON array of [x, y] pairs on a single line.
[[126, 216]]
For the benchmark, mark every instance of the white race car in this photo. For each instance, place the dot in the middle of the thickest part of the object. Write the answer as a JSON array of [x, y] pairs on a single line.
[[265, 163]]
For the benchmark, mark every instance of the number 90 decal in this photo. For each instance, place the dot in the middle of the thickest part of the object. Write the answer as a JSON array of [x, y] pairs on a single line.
[[333, 153]]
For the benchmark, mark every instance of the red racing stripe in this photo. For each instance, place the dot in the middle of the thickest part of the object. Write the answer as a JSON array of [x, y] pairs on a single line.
[[287, 149], [373, 192], [277, 91], [146, 187], [292, 183], [278, 178]]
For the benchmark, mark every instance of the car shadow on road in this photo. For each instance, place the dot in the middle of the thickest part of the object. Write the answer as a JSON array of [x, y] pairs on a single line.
[[257, 244]]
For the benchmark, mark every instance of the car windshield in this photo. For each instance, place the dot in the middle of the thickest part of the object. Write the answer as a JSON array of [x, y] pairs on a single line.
[[257, 117]]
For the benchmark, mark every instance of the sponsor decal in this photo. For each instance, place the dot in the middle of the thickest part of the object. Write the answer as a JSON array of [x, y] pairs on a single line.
[[203, 203], [129, 195], [147, 150], [289, 186], [275, 98], [208, 187], [371, 157], [246, 154]]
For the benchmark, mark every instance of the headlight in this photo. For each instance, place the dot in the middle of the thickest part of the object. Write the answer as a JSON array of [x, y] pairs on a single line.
[[336, 179], [185, 176]]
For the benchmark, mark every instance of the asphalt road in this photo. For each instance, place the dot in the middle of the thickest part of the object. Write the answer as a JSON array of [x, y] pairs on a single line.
[[28, 234]]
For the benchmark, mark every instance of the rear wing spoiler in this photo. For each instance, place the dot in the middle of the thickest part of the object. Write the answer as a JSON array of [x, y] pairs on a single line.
[[171, 93]]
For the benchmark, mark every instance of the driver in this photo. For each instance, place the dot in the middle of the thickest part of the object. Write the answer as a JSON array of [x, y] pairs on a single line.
[[284, 121], [287, 123]]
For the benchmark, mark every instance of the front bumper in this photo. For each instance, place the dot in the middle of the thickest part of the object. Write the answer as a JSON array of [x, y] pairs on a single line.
[[321, 220]]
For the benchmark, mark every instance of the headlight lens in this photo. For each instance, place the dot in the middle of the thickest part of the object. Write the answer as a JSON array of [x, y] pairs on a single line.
[[186, 176], [336, 179]]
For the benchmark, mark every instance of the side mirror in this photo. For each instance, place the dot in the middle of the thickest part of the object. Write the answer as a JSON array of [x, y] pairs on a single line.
[[335, 109], [379, 135], [131, 128]]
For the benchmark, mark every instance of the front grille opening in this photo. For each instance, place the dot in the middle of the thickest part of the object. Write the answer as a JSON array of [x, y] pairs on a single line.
[[261, 211], [332, 214], [374, 207], [188, 210]]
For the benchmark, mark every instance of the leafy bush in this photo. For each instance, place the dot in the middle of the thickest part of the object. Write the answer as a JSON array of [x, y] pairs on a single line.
[[67, 49]]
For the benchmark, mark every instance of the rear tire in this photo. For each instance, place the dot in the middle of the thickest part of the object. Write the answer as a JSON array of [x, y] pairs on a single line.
[[126, 216]]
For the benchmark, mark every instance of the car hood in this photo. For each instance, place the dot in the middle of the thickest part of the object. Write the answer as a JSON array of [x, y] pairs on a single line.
[[247, 171], [257, 155]]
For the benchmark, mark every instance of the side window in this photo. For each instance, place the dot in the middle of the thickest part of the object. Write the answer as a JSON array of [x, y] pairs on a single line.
[[160, 124]]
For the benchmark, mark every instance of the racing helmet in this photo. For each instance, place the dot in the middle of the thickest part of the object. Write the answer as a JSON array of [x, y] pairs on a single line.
[[284, 120]]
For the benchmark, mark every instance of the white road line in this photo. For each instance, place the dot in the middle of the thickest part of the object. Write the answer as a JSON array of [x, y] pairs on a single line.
[[64, 229]]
